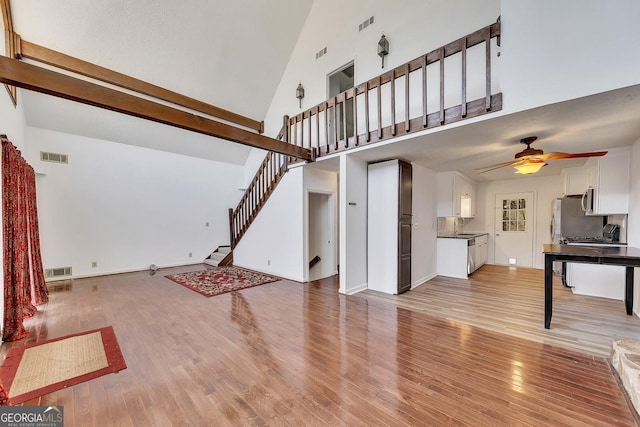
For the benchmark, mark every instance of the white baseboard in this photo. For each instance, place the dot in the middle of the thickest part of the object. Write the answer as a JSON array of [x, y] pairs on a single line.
[[110, 273], [423, 280], [356, 289]]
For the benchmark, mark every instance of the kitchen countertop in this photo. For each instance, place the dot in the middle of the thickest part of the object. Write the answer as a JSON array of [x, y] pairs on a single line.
[[461, 235]]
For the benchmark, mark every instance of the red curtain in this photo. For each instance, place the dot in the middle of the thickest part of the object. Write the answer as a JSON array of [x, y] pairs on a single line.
[[23, 276], [39, 291]]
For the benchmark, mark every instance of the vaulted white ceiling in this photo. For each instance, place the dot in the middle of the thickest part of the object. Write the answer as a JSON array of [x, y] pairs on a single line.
[[231, 54]]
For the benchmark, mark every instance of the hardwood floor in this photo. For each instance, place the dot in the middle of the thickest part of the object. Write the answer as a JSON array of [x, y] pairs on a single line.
[[287, 353], [511, 301]]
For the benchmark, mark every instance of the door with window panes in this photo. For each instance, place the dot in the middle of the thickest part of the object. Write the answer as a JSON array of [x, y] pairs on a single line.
[[513, 238]]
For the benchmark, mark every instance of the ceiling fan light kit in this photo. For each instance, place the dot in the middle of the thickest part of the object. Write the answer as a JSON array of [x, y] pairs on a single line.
[[531, 160], [529, 167]]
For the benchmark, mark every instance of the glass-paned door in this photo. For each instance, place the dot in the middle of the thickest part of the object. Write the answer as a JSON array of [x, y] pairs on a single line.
[[514, 229]]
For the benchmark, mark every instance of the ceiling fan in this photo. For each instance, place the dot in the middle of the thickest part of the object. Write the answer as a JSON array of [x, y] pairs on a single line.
[[531, 160]]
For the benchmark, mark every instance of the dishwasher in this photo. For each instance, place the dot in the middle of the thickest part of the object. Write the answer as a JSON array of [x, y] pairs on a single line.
[[477, 252]]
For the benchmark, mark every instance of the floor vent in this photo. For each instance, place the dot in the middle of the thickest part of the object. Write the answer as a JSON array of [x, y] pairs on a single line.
[[57, 272], [54, 157]]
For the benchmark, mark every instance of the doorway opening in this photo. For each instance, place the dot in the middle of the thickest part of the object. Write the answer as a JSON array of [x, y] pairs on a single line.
[[338, 82], [322, 236]]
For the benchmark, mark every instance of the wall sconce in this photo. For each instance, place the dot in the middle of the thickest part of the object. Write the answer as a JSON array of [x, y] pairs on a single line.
[[300, 93], [383, 48]]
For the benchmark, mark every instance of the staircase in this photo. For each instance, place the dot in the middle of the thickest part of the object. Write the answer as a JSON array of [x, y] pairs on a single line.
[[220, 257], [264, 182]]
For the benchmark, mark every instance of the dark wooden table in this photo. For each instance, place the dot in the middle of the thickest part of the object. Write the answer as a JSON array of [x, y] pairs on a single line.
[[626, 256]]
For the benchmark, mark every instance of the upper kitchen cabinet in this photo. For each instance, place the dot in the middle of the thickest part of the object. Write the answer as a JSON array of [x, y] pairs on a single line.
[[456, 195], [608, 183], [576, 180]]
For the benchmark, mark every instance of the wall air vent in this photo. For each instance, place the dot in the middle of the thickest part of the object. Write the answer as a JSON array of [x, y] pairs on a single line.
[[57, 272], [365, 24], [321, 52], [54, 157]]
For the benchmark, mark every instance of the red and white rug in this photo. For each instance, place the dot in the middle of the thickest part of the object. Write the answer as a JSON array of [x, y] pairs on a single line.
[[221, 280], [44, 367]]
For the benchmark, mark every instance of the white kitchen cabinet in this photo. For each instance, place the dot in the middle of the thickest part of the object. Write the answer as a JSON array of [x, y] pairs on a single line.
[[456, 195], [609, 179], [452, 257], [576, 180], [606, 281]]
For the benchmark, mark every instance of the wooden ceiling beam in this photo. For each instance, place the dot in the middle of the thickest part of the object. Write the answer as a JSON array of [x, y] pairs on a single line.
[[31, 77], [60, 60], [10, 42]]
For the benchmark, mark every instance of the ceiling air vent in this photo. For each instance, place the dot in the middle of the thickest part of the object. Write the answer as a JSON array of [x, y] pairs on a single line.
[[54, 157], [365, 24], [57, 272]]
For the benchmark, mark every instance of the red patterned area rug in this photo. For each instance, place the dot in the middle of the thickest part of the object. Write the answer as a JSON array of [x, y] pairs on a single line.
[[220, 280], [44, 367]]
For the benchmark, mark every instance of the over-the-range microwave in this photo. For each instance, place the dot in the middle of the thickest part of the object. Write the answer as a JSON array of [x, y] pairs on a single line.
[[588, 201]]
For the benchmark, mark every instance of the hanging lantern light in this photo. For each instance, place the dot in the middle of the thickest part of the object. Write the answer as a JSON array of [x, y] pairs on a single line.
[[300, 93], [383, 48]]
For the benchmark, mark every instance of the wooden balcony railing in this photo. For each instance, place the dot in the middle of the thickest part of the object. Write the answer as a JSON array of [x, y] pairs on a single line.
[[412, 97], [269, 174]]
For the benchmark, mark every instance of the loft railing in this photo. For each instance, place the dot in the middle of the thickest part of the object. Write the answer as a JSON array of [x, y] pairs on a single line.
[[376, 110], [269, 174], [412, 97]]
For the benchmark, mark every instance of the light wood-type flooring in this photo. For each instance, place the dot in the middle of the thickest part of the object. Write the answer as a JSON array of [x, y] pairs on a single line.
[[297, 354], [511, 300]]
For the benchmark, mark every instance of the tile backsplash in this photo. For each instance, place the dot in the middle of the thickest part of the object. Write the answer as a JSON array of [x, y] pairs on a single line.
[[450, 225]]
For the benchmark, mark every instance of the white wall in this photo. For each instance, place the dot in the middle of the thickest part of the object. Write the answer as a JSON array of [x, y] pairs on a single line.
[[274, 243], [413, 28], [558, 50], [545, 189], [353, 224], [425, 226], [126, 207], [277, 241], [254, 160]]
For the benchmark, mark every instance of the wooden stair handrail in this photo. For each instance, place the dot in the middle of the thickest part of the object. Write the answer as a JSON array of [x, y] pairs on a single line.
[[260, 188]]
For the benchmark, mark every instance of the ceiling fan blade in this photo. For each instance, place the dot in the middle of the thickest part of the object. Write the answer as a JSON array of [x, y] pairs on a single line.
[[559, 156], [484, 169]]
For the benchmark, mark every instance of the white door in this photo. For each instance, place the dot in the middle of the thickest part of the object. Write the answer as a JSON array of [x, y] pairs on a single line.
[[321, 236], [514, 226]]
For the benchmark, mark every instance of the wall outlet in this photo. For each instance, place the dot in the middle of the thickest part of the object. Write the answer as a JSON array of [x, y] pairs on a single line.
[[94, 264], [190, 254], [512, 261]]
